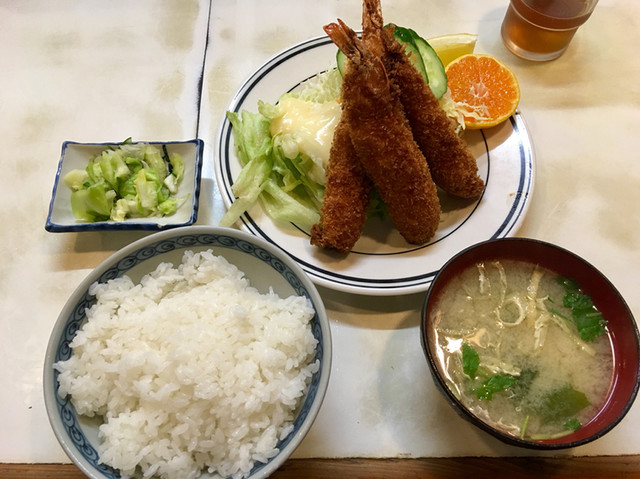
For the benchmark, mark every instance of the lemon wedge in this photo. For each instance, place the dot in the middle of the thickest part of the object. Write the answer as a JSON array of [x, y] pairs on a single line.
[[453, 45]]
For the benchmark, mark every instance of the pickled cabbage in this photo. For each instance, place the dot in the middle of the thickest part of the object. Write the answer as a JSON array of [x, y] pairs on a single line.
[[126, 181]]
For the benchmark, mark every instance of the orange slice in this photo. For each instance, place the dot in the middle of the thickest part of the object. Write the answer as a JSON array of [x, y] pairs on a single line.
[[485, 88]]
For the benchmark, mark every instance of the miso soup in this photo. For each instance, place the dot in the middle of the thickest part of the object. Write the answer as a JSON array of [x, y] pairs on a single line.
[[524, 349]]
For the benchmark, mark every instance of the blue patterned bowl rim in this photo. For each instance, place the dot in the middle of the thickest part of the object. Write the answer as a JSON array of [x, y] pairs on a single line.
[[62, 414]]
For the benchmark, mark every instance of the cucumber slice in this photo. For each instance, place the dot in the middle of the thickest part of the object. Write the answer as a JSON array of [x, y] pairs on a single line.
[[410, 49], [341, 60], [432, 68], [404, 35], [422, 55]]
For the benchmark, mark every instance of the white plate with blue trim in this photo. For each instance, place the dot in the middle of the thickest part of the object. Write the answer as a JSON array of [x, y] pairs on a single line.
[[382, 262]]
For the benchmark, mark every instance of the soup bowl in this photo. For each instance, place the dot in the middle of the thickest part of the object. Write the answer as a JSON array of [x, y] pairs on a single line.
[[621, 329]]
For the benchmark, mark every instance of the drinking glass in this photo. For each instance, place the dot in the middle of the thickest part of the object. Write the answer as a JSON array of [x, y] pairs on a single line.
[[541, 30]]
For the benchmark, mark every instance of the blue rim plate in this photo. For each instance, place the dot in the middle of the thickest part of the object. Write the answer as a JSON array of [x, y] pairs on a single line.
[[382, 263], [76, 155]]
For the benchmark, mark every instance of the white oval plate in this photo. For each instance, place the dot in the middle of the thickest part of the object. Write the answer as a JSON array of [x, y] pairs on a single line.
[[382, 263]]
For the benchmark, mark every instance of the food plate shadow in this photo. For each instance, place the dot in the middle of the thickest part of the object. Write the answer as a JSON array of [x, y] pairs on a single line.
[[98, 241], [372, 312]]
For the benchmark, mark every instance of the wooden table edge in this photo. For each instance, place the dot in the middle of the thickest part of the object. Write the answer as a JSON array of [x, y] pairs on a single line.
[[395, 468]]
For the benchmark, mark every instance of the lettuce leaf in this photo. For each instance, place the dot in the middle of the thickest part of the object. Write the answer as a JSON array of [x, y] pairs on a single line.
[[285, 181]]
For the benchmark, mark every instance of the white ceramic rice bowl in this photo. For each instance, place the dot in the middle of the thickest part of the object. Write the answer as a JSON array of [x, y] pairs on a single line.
[[264, 265]]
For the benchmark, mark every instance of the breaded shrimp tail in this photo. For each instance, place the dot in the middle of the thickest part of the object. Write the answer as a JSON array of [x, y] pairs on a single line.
[[452, 166], [346, 196], [372, 26], [383, 141]]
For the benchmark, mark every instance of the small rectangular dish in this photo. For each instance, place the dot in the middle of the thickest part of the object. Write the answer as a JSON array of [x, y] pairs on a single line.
[[76, 156]]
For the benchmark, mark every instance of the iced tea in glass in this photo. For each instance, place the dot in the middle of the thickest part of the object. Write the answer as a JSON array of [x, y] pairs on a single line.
[[542, 29]]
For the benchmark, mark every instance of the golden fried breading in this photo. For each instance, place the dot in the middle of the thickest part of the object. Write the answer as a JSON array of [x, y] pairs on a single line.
[[383, 140], [452, 166], [346, 196]]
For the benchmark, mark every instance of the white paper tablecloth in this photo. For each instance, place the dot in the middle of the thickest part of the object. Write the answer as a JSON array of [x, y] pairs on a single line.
[[104, 71]]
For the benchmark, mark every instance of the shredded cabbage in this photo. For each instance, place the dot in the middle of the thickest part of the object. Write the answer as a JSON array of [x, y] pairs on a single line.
[[324, 87], [457, 111]]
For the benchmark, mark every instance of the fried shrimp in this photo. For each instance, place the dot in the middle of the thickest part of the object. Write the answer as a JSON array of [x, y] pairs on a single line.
[[383, 141], [452, 166], [346, 196]]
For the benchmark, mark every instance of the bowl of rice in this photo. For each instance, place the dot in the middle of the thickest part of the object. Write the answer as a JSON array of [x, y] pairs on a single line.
[[193, 352]]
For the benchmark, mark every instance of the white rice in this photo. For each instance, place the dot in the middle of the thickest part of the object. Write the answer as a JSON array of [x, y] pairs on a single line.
[[193, 369]]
